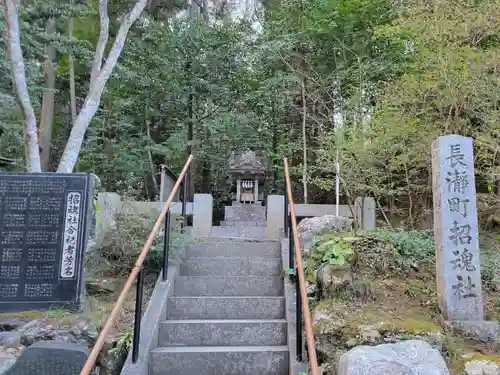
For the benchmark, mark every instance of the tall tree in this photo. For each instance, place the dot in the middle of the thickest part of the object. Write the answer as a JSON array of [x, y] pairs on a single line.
[[101, 71]]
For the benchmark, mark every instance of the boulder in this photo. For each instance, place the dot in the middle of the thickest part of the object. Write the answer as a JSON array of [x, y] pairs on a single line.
[[315, 226], [12, 338], [331, 278], [482, 368], [411, 357]]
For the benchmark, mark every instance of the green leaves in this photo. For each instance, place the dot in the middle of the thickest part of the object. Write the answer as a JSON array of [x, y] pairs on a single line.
[[335, 251]]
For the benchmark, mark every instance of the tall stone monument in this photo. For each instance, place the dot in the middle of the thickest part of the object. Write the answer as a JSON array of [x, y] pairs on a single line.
[[247, 169], [44, 229], [456, 229]]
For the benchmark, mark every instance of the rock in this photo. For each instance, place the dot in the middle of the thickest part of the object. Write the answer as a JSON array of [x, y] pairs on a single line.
[[311, 227], [483, 331], [331, 278], [412, 357], [311, 289], [328, 325], [112, 362], [10, 338], [96, 288], [38, 330], [482, 368], [369, 334], [11, 324]]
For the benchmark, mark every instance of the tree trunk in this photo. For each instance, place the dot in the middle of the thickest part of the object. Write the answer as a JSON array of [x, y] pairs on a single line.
[[304, 137], [47, 112], [71, 63], [18, 71], [150, 154], [189, 137], [91, 104]]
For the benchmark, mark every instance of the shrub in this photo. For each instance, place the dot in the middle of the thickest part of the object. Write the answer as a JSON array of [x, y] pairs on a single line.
[[122, 246], [417, 246]]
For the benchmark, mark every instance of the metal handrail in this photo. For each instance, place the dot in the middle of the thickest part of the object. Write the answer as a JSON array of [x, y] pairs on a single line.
[[89, 364], [299, 271]]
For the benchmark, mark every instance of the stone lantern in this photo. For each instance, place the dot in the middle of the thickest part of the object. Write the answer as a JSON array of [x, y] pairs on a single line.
[[248, 171]]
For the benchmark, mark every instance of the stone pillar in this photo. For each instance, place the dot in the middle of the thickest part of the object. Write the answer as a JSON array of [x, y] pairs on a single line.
[[238, 190], [364, 209], [202, 215], [163, 184], [110, 206], [369, 217], [275, 216], [358, 211], [455, 229], [256, 191]]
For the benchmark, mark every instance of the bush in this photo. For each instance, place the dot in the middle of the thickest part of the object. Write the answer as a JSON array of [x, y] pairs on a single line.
[[122, 246], [490, 267], [417, 246]]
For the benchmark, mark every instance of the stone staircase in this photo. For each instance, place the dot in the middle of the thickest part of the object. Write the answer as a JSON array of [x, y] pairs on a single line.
[[245, 221], [227, 312]]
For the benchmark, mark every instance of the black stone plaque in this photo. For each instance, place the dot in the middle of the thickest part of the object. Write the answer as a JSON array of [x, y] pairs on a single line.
[[44, 227], [50, 358]]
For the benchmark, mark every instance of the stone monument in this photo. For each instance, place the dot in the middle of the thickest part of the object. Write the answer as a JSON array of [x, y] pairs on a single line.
[[248, 170], [45, 222], [51, 358], [455, 229]]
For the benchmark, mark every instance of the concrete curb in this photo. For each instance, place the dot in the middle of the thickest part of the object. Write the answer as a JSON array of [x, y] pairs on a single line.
[[290, 315]]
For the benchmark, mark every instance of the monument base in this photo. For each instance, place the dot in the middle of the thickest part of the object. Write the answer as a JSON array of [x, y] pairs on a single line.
[[486, 331]]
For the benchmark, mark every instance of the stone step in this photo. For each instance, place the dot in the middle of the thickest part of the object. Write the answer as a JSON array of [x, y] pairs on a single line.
[[226, 308], [243, 232], [233, 266], [189, 286], [222, 332], [245, 212], [234, 249], [219, 360], [243, 223]]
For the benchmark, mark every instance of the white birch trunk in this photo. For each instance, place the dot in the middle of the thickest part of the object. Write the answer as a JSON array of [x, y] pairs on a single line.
[[91, 104], [17, 61]]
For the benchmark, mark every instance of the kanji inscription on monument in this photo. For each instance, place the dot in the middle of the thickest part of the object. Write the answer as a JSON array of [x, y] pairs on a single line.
[[455, 229], [43, 234]]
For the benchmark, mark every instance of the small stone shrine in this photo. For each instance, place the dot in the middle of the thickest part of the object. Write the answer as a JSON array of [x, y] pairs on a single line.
[[45, 221], [248, 170], [455, 229]]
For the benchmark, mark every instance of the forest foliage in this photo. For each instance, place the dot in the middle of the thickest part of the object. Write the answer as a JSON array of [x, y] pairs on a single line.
[[375, 80]]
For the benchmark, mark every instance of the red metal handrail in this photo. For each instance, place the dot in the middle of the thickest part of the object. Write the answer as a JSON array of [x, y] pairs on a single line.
[[89, 364], [299, 267]]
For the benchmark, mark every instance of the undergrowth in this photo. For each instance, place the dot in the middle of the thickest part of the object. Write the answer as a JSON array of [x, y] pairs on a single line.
[[121, 246], [415, 245]]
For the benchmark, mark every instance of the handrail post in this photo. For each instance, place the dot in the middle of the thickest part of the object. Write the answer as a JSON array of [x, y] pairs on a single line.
[[138, 315], [298, 323], [184, 200], [166, 245], [291, 263], [285, 218]]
